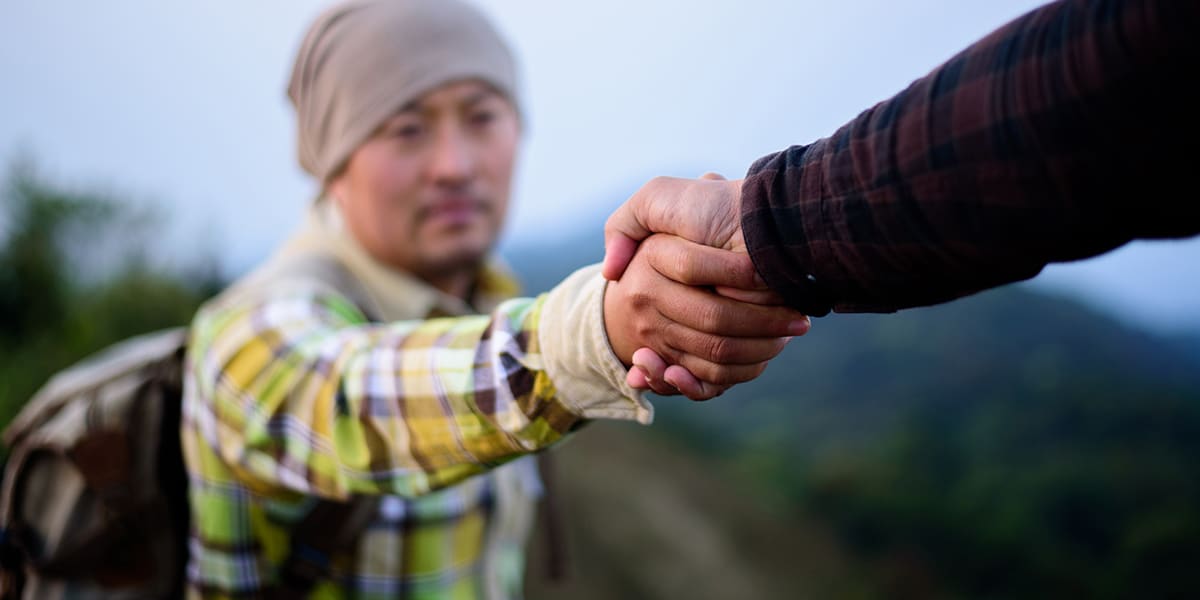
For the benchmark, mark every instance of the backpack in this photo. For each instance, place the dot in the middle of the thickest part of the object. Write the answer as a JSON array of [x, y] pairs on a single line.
[[94, 496]]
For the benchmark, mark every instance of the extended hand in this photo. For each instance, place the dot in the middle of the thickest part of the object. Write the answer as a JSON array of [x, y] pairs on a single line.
[[705, 211], [660, 303]]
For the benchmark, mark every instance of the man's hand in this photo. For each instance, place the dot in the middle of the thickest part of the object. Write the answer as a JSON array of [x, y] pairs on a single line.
[[661, 303], [706, 211]]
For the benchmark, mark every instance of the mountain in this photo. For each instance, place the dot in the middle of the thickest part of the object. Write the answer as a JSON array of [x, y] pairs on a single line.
[[1004, 445]]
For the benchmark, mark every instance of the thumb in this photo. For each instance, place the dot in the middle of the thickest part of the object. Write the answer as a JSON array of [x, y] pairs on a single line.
[[619, 248], [622, 233]]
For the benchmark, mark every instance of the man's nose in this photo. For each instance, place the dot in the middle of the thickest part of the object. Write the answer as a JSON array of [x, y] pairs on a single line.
[[454, 156]]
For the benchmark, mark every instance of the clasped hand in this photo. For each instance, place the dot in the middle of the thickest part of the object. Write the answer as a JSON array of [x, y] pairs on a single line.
[[685, 309]]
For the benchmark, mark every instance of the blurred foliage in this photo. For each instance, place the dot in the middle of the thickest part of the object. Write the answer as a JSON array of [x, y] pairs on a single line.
[[1006, 445], [74, 278]]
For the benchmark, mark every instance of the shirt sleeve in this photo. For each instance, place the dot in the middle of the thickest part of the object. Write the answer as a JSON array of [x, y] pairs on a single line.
[[297, 392], [1056, 137]]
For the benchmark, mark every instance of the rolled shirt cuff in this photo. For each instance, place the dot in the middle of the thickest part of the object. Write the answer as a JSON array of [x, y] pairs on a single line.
[[588, 376]]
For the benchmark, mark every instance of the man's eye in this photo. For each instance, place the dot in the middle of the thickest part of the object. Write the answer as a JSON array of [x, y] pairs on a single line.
[[482, 117], [406, 132]]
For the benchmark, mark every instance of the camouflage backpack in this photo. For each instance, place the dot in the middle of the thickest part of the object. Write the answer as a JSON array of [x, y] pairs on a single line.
[[94, 503], [94, 496]]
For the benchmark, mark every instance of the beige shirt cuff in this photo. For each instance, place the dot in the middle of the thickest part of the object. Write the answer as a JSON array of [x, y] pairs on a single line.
[[587, 374]]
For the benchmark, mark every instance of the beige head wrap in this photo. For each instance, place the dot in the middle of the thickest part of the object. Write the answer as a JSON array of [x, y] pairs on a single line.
[[362, 60]]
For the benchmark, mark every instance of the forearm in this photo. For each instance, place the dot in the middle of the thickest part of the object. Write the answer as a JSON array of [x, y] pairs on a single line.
[[1045, 141], [306, 396]]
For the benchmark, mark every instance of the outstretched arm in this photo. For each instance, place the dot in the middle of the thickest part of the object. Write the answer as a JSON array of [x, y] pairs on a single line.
[[1059, 136]]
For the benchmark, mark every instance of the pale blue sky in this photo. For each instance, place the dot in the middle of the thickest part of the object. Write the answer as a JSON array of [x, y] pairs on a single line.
[[182, 104]]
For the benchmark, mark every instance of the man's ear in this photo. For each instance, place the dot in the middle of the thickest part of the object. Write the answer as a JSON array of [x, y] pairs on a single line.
[[336, 189]]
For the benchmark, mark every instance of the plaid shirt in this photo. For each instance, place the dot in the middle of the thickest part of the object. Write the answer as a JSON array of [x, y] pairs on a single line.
[[292, 394], [1064, 134]]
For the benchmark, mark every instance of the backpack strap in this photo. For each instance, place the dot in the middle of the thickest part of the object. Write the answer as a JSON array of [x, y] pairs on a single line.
[[114, 362]]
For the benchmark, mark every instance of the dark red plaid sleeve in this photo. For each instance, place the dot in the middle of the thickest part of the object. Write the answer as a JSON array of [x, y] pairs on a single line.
[[1064, 134]]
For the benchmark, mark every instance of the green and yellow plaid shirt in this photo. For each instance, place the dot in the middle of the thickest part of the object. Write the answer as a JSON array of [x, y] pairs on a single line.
[[292, 394]]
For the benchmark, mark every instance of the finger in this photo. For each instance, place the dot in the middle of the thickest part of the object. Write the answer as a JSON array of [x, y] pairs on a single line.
[[692, 388], [707, 371], [710, 313], [764, 297], [639, 379], [718, 374], [686, 383], [719, 349], [690, 263], [650, 362], [713, 176], [653, 367], [636, 379]]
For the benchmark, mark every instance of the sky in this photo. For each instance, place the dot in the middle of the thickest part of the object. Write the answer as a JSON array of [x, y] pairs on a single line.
[[181, 105]]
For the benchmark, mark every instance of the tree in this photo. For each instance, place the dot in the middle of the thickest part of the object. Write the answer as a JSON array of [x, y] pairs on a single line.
[[74, 279]]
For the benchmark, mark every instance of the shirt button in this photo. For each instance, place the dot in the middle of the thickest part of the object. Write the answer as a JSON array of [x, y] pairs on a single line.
[[391, 508]]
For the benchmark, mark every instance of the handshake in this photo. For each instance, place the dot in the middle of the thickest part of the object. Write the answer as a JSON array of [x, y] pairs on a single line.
[[685, 309]]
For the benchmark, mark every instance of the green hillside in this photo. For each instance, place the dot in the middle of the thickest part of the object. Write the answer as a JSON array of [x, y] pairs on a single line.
[[1008, 445], [647, 518]]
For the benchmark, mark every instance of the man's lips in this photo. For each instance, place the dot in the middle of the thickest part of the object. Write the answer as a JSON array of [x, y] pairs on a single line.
[[454, 210]]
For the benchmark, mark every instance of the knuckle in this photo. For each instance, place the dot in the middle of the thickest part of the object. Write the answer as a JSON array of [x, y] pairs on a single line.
[[711, 317], [734, 270], [670, 355], [670, 337], [683, 266], [666, 257], [644, 330], [644, 325], [640, 300], [721, 349]]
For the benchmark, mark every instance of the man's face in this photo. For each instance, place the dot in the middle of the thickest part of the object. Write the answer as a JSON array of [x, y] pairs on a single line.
[[427, 193]]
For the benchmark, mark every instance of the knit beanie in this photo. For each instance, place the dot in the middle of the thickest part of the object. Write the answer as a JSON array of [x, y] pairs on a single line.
[[362, 60]]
